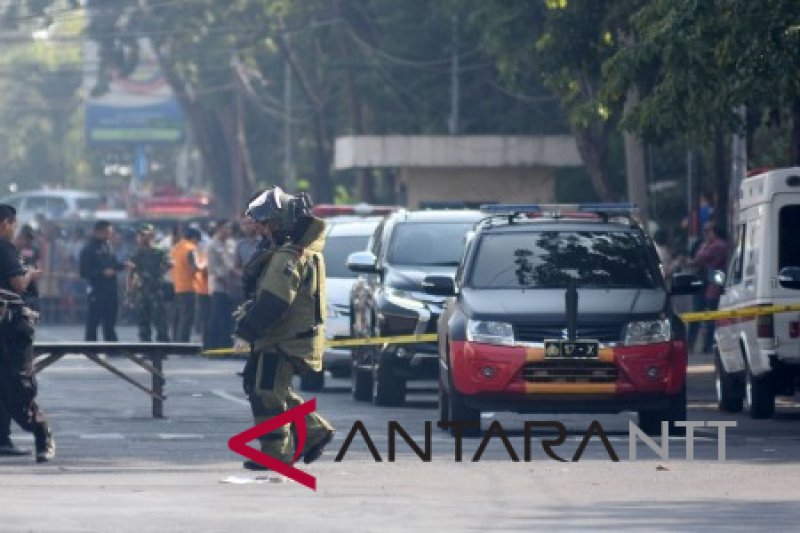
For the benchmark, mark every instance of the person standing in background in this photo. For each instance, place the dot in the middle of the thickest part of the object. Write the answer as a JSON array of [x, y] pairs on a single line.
[[145, 281], [202, 289], [712, 255], [221, 276], [31, 256], [99, 267], [184, 267]]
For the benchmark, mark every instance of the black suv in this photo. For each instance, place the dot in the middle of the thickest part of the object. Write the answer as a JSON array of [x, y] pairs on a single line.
[[561, 309], [388, 299]]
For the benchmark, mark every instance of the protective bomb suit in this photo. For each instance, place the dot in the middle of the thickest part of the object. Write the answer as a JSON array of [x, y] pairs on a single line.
[[283, 318]]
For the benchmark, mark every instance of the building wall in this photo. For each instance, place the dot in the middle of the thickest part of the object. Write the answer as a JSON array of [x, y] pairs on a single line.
[[479, 185]]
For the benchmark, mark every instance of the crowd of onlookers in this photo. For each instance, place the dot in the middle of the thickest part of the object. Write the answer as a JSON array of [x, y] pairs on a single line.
[[199, 301], [201, 298]]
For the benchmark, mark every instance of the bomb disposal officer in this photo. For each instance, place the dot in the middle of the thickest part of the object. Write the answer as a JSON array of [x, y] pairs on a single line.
[[283, 322]]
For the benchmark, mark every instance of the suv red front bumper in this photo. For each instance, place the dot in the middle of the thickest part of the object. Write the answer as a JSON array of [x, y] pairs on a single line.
[[525, 372]]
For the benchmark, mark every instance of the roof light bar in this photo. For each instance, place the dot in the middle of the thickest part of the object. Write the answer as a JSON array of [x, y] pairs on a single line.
[[510, 209], [503, 209]]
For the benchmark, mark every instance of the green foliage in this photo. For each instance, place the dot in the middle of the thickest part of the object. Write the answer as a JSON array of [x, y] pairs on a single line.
[[40, 123]]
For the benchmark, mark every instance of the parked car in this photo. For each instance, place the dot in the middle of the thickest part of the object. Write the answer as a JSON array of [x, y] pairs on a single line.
[[564, 312], [388, 299], [343, 238], [56, 204], [758, 358]]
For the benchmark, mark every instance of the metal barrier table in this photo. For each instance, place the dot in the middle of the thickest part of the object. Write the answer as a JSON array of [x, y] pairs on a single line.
[[148, 355]]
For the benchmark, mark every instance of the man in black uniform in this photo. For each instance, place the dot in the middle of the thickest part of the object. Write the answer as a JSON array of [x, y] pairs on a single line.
[[17, 381], [99, 268], [30, 255]]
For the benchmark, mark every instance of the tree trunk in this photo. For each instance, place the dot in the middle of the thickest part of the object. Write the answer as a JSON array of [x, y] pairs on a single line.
[[634, 165], [208, 132], [593, 153], [322, 184]]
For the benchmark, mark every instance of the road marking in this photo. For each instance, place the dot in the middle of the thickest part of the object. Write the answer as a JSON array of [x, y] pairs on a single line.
[[225, 396], [101, 436], [180, 436]]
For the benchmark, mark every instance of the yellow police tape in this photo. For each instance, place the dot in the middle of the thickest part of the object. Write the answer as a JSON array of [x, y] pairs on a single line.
[[340, 343], [747, 312]]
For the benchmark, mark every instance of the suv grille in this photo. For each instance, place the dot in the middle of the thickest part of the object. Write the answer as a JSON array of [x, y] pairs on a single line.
[[538, 333], [570, 371], [398, 325]]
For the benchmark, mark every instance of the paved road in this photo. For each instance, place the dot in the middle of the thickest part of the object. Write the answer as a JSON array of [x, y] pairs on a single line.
[[119, 469]]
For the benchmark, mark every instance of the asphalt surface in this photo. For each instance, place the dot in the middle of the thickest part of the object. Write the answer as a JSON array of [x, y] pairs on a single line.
[[119, 469]]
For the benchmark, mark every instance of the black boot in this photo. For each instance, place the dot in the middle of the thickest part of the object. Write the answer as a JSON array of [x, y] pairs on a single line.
[[252, 465], [45, 444]]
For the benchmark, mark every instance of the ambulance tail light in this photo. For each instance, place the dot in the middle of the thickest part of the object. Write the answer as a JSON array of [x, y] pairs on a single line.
[[765, 327]]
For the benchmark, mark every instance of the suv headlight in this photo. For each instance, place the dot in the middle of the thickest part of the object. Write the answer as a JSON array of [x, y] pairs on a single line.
[[648, 332], [403, 299], [490, 332]]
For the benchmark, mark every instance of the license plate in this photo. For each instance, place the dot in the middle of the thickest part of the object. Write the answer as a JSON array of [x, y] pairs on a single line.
[[577, 349]]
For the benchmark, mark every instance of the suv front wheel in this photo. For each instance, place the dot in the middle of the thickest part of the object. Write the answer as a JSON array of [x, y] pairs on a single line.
[[730, 390], [388, 389], [759, 395], [361, 383], [453, 408], [650, 420]]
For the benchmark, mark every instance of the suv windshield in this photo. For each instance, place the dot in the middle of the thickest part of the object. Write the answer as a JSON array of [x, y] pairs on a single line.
[[429, 243], [551, 259], [336, 251]]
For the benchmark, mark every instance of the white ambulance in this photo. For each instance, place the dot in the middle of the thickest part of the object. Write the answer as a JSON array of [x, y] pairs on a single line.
[[758, 358]]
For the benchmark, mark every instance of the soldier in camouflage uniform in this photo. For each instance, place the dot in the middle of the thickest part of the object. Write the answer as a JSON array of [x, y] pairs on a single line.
[[283, 319], [145, 283]]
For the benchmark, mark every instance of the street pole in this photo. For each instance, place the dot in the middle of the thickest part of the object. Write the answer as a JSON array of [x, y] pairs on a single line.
[[288, 165], [738, 165], [690, 198], [455, 89]]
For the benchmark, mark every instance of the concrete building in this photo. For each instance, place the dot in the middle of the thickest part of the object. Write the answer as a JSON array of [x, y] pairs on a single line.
[[473, 169]]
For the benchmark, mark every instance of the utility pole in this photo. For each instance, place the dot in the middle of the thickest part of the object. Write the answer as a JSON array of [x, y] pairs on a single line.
[[738, 165], [690, 227], [455, 89], [288, 154]]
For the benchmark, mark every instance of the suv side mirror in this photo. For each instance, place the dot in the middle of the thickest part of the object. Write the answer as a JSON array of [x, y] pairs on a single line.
[[789, 277], [439, 286], [364, 262], [685, 284]]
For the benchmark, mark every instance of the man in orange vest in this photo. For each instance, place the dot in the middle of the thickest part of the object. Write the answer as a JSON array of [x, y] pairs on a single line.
[[185, 265]]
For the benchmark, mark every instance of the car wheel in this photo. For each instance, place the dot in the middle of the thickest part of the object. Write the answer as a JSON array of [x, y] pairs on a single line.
[[361, 383], [444, 400], [312, 381], [650, 420], [759, 395], [458, 411], [388, 389], [730, 392]]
